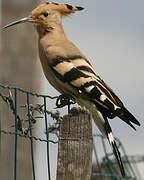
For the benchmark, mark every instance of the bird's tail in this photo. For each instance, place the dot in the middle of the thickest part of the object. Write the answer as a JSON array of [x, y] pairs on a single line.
[[113, 144], [106, 130]]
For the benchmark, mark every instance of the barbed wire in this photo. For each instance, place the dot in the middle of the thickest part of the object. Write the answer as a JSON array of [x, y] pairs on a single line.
[[28, 136], [24, 91], [9, 101], [31, 110]]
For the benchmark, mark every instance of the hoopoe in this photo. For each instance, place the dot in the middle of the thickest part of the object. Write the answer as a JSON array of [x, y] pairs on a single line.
[[69, 71]]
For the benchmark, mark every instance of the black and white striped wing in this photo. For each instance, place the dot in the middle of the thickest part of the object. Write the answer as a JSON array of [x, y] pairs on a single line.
[[77, 72]]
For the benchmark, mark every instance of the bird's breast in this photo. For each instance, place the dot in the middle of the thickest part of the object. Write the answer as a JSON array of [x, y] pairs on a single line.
[[60, 86]]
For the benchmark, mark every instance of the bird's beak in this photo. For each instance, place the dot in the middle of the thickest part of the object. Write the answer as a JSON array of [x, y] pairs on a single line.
[[23, 20]]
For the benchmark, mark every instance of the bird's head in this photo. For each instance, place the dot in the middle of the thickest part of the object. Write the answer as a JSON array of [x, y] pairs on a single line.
[[47, 14]]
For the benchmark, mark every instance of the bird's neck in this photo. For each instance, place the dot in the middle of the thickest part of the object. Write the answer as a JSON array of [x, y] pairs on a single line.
[[51, 34]]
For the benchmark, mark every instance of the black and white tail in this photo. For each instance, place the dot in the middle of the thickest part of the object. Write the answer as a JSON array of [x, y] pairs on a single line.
[[103, 125], [112, 142]]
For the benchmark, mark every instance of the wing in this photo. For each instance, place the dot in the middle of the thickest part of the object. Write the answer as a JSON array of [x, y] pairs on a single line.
[[79, 74]]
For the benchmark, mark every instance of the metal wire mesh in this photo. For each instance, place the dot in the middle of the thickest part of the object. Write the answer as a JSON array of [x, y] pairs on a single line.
[[105, 166], [11, 99]]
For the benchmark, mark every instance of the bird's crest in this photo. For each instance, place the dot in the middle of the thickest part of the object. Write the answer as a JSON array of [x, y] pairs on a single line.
[[64, 9]]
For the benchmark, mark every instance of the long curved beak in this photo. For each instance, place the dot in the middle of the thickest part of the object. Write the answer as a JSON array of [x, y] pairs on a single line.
[[23, 20]]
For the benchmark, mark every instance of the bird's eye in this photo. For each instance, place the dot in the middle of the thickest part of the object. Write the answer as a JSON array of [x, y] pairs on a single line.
[[45, 14]]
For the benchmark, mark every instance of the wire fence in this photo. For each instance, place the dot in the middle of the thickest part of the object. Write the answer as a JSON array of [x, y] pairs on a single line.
[[104, 167], [11, 99]]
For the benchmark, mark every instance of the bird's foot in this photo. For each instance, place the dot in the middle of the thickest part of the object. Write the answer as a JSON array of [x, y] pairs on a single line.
[[64, 100]]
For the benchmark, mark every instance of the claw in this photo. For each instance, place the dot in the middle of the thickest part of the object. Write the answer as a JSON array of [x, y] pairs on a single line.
[[62, 101]]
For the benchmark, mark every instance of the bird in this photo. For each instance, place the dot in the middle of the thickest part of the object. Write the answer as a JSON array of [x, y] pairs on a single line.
[[70, 72]]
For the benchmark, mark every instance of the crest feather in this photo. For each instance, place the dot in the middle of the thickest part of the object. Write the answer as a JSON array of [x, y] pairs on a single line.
[[64, 9]]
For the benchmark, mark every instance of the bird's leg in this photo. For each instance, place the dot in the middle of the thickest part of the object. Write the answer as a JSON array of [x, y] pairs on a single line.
[[64, 100]]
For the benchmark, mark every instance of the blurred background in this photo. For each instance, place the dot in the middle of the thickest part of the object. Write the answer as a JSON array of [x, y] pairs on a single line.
[[109, 33]]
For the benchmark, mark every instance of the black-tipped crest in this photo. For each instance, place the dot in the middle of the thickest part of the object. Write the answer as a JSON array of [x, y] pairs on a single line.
[[69, 6], [79, 8], [63, 9], [55, 3]]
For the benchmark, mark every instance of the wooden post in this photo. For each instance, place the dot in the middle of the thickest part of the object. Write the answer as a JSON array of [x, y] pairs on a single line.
[[75, 146]]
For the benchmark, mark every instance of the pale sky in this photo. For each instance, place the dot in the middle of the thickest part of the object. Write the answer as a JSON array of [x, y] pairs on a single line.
[[111, 35]]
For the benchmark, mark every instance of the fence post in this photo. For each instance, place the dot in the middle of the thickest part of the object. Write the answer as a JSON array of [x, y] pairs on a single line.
[[75, 146]]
